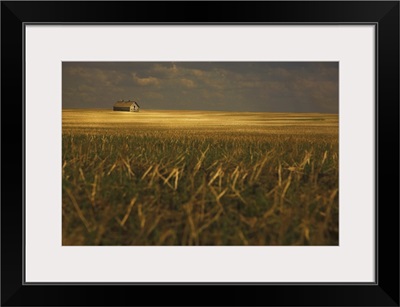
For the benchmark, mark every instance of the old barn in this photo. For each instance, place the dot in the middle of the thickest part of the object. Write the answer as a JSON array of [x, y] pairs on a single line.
[[127, 106]]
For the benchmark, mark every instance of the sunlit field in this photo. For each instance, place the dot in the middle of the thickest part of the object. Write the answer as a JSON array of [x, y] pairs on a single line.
[[199, 178]]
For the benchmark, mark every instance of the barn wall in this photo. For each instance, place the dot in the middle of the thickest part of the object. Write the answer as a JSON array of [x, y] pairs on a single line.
[[127, 109]]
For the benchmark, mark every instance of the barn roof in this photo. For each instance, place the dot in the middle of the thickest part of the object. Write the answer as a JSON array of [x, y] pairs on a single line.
[[125, 104]]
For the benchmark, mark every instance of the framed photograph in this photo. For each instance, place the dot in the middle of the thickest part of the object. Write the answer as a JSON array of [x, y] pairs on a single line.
[[248, 146]]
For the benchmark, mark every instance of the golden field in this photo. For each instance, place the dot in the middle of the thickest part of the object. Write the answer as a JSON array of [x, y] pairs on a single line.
[[199, 178]]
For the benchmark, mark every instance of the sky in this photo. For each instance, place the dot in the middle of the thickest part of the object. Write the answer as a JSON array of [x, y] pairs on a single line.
[[220, 86]]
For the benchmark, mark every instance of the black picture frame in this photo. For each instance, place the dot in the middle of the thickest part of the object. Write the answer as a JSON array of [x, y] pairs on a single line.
[[383, 14]]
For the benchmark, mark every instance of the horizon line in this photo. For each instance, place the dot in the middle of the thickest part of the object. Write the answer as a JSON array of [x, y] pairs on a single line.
[[196, 110]]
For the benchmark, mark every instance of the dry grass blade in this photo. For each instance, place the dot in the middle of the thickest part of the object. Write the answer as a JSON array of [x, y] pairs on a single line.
[[217, 173], [242, 237], [165, 235], [333, 195], [128, 211], [289, 180], [239, 196], [78, 210], [306, 159], [142, 218], [176, 180], [128, 167], [153, 174], [94, 190], [82, 175], [324, 157], [269, 212], [260, 168], [280, 174], [63, 166], [112, 168], [166, 180], [235, 176], [200, 161], [146, 172], [211, 221], [250, 221]]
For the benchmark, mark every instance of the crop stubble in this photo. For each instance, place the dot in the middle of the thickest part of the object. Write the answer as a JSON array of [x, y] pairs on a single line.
[[199, 178]]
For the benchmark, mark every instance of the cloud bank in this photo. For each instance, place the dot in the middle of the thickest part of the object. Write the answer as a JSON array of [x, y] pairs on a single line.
[[227, 86]]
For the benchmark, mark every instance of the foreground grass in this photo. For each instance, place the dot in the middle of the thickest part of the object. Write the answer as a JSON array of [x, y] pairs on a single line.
[[228, 180]]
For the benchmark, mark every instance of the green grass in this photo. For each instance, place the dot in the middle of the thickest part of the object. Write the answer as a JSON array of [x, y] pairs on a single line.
[[155, 179]]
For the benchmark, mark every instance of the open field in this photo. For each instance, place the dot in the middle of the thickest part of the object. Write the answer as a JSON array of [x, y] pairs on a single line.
[[199, 178]]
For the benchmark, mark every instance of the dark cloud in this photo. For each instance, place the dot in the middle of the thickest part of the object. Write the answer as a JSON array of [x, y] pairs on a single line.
[[230, 86]]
